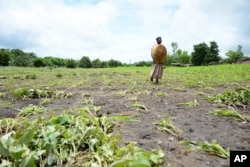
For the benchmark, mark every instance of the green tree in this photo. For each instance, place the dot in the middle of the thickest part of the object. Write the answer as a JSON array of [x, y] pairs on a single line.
[[4, 57], [199, 53], [143, 63], [71, 63], [184, 58], [96, 63], [178, 53], [174, 49], [233, 56], [85, 62], [169, 60], [22, 59], [104, 64], [48, 61], [204, 54], [59, 62], [213, 54], [114, 63], [39, 62], [54, 61]]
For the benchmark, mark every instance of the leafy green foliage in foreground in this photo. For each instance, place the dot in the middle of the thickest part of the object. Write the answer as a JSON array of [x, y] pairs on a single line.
[[237, 97], [212, 148], [69, 139]]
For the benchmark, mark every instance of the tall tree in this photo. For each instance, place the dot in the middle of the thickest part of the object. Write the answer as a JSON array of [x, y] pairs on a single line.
[[20, 58], [184, 58], [96, 63], [169, 60], [114, 63], [39, 62], [213, 54], [199, 54], [233, 56], [204, 54], [71, 63], [4, 57], [174, 49], [85, 62]]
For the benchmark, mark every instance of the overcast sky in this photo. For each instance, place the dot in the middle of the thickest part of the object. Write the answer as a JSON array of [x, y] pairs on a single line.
[[124, 30]]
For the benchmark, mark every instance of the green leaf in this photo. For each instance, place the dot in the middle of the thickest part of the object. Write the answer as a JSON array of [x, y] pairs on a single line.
[[29, 161], [51, 159], [3, 150], [16, 151], [20, 92], [155, 158], [121, 163], [27, 137], [140, 163], [121, 151]]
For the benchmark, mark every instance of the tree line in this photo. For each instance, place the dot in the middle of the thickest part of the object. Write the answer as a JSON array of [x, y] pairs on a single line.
[[17, 57], [202, 54]]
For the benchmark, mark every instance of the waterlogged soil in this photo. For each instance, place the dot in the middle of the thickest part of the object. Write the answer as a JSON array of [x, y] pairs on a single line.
[[195, 122]]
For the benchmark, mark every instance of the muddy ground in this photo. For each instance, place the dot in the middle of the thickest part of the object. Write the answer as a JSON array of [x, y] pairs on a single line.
[[195, 122]]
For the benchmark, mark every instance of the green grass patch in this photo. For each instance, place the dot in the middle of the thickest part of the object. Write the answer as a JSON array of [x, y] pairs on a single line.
[[131, 78]]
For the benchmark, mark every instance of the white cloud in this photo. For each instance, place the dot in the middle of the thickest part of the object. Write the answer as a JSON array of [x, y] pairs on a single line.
[[122, 30], [204, 21]]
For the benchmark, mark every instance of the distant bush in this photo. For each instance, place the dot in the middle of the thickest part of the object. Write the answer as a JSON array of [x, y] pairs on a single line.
[[85, 62], [39, 62], [71, 63]]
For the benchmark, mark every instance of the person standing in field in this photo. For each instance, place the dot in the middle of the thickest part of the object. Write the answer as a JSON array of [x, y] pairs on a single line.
[[159, 54]]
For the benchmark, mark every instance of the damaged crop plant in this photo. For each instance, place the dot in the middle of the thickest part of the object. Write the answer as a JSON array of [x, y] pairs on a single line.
[[69, 139], [40, 93], [73, 138], [239, 97]]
